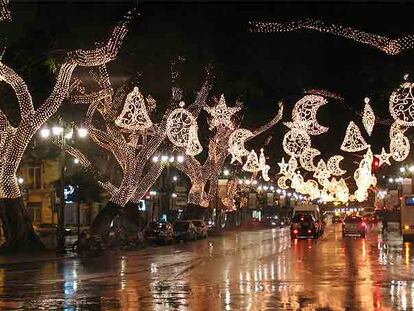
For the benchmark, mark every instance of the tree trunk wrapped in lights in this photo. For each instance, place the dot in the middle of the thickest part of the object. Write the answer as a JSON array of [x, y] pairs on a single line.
[[17, 225], [131, 137], [204, 176]]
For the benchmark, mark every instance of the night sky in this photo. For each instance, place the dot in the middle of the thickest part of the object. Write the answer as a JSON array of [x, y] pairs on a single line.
[[259, 69]]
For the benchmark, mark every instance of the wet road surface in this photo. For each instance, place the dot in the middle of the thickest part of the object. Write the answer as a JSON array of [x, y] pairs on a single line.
[[255, 270]]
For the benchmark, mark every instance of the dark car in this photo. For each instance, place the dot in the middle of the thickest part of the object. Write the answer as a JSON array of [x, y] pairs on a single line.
[[185, 230], [201, 227], [354, 225], [304, 226], [49, 229], [336, 219], [159, 231]]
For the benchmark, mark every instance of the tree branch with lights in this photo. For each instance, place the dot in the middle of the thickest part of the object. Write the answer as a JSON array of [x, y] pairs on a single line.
[[228, 138], [17, 225], [131, 137]]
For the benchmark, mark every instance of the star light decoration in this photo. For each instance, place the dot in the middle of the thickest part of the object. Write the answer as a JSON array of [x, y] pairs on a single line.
[[353, 140], [368, 117], [383, 157], [389, 46], [221, 114]]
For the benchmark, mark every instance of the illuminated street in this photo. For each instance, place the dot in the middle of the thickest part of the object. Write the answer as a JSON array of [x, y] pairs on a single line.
[[256, 270]]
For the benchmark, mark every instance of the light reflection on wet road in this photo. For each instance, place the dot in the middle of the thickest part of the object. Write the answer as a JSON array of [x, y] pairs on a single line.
[[256, 270]]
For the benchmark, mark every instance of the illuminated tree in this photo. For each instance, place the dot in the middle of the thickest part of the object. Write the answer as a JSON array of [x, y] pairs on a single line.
[[131, 137], [204, 176], [17, 225]]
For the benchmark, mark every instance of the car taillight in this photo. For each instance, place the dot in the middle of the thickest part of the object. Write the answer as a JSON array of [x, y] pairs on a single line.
[[309, 231], [295, 231], [363, 224]]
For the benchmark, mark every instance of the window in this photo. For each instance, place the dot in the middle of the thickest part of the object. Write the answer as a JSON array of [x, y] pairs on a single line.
[[35, 211], [35, 180]]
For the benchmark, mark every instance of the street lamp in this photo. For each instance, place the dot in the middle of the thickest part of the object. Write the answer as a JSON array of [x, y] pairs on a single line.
[[61, 135]]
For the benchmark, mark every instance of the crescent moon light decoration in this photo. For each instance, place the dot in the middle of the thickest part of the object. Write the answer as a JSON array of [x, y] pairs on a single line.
[[333, 165], [236, 145], [281, 182], [296, 141], [306, 159], [305, 110]]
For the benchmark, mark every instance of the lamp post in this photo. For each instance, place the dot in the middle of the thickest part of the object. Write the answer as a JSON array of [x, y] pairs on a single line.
[[167, 184], [61, 134]]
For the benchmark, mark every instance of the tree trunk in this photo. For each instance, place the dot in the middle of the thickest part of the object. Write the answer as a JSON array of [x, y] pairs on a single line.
[[193, 211], [17, 227], [197, 195], [102, 222]]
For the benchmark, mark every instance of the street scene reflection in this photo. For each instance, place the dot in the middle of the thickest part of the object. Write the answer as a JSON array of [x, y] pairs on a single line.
[[255, 270]]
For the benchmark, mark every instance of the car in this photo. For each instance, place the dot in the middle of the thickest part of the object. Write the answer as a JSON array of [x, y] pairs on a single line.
[[304, 225], [354, 225], [371, 219], [185, 230], [313, 210], [201, 227], [49, 229], [160, 232], [336, 219]]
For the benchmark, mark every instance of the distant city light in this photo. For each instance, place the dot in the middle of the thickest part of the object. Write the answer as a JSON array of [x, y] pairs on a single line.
[[76, 160], [82, 132], [44, 132], [180, 159]]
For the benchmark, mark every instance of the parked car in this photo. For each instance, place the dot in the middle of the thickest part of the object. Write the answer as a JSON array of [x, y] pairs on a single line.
[[336, 219], [49, 229], [354, 225], [185, 230], [201, 227], [160, 232], [304, 225]]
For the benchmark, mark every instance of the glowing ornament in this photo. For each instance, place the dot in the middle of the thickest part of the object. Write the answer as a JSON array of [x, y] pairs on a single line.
[[293, 165], [397, 128], [384, 157], [296, 141], [179, 123], [305, 110], [388, 45], [333, 165], [281, 183], [399, 147], [368, 117], [221, 114], [263, 166], [252, 163], [353, 141], [236, 144], [134, 115], [193, 146], [283, 167], [306, 159], [322, 171], [401, 104]]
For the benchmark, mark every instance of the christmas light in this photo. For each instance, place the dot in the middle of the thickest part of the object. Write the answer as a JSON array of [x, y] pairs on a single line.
[[368, 117], [306, 159], [333, 165], [31, 119], [134, 115], [401, 104], [353, 140], [221, 114], [384, 157], [236, 144], [296, 141], [387, 45], [399, 147], [305, 110], [252, 163]]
